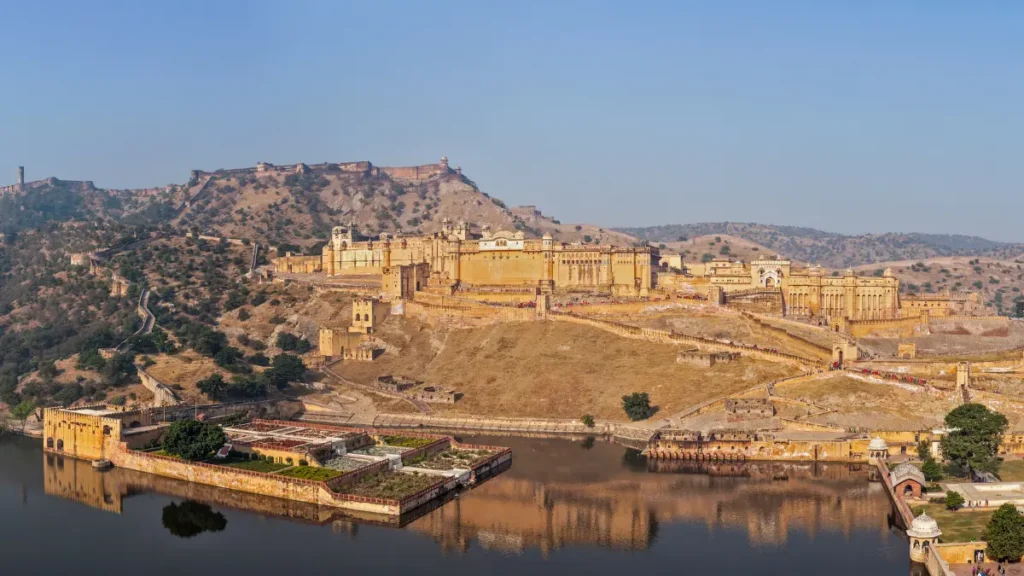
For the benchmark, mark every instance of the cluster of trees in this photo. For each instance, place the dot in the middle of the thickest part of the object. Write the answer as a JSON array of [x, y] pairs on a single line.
[[971, 444], [193, 440], [47, 313], [291, 343], [283, 370]]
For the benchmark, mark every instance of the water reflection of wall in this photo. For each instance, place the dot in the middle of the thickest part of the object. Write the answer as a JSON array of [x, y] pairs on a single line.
[[768, 501], [621, 508], [77, 480]]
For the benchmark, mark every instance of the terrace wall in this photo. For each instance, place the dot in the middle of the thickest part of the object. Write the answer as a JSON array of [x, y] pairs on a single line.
[[223, 476], [435, 447]]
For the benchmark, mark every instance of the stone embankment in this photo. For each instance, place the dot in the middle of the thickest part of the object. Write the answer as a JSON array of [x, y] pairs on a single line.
[[523, 426]]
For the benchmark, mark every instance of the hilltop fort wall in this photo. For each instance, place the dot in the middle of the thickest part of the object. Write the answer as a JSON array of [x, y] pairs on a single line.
[[406, 173]]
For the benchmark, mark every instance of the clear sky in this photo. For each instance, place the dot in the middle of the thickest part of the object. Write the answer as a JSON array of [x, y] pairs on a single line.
[[845, 116]]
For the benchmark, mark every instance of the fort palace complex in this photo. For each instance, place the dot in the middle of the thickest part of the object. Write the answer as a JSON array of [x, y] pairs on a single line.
[[507, 265]]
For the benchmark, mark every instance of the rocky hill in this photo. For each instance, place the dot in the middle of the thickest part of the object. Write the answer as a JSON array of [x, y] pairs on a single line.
[[835, 250], [293, 206], [55, 200]]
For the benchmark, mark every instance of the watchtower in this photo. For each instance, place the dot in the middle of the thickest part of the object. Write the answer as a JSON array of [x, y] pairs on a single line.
[[21, 175], [924, 533]]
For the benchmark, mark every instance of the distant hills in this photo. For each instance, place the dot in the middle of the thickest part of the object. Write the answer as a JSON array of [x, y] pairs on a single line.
[[834, 250]]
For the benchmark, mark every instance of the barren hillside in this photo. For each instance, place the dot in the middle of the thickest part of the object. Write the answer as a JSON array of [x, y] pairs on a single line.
[[835, 250]]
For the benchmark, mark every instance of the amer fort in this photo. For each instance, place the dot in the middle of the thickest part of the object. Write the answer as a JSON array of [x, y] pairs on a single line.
[[763, 370]]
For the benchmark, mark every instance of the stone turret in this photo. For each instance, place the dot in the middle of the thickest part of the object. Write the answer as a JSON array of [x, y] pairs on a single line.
[[878, 450], [924, 533], [444, 163], [21, 175]]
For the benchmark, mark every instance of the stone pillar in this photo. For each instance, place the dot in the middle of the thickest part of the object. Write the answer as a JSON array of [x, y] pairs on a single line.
[[963, 375]]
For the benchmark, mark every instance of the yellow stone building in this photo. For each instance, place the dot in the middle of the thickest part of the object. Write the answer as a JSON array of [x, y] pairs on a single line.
[[457, 258], [804, 291]]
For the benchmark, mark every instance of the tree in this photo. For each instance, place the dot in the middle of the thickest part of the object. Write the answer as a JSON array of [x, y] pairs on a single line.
[[291, 343], [22, 411], [588, 420], [213, 386], [193, 440], [954, 500], [120, 369], [973, 438], [249, 386], [286, 368], [637, 406], [923, 451], [931, 470], [1005, 533]]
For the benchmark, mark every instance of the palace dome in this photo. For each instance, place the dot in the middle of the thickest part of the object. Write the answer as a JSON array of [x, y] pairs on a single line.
[[907, 471], [877, 444], [924, 527]]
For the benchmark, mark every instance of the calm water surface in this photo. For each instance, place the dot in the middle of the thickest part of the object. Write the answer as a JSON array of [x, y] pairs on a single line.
[[563, 508]]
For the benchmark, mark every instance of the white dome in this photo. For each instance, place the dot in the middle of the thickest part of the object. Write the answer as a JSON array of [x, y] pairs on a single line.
[[877, 444], [907, 471], [924, 527]]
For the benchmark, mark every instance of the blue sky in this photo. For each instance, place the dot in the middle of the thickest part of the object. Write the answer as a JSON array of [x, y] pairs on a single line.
[[845, 116]]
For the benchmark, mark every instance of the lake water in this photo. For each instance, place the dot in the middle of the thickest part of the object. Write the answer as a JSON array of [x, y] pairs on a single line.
[[564, 507]]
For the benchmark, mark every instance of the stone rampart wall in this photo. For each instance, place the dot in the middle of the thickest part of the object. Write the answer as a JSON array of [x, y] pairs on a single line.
[[786, 333], [619, 308], [485, 314], [162, 394], [899, 327], [415, 172]]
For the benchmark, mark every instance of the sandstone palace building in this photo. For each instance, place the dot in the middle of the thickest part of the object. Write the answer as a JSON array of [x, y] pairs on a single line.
[[809, 292], [508, 264], [499, 261]]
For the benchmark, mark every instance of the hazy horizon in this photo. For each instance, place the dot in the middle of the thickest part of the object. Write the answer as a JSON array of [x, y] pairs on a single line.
[[867, 118]]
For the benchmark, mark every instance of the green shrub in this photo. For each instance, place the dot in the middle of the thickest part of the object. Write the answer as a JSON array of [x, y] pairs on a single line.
[[637, 406], [954, 500]]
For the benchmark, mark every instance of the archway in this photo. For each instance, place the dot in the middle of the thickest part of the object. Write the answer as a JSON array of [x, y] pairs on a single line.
[[49, 443], [60, 445], [135, 424], [908, 490], [769, 282]]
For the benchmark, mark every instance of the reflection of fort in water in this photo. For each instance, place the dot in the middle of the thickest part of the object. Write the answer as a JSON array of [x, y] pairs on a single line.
[[621, 507], [768, 501]]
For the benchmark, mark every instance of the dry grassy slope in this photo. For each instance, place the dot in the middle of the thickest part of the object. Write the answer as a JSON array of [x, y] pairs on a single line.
[[989, 276], [547, 369], [858, 402], [718, 246]]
